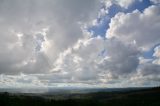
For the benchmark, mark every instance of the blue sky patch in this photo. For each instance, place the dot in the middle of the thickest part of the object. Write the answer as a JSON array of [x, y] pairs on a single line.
[[100, 29]]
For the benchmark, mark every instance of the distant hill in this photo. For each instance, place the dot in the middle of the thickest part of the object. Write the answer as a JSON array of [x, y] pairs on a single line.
[[125, 97]]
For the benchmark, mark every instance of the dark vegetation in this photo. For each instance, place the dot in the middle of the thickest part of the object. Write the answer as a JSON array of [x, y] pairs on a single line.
[[145, 97]]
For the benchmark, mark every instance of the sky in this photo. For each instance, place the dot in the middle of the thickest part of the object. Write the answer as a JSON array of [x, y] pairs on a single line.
[[79, 43]]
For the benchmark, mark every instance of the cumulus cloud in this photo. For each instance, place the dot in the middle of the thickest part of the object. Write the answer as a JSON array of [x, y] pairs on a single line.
[[46, 43], [33, 33], [94, 60], [148, 73], [141, 28], [79, 62], [121, 3], [157, 55], [122, 58]]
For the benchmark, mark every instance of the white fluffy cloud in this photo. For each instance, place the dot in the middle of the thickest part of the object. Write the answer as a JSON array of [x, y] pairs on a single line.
[[79, 62], [95, 60], [121, 3], [141, 28], [47, 41], [157, 55], [33, 33]]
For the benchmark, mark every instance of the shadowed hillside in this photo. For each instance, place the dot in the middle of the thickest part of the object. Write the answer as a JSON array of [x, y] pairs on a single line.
[[145, 97]]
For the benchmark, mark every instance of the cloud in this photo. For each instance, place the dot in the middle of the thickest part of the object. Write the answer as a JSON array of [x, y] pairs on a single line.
[[33, 33], [157, 55], [79, 61], [149, 69], [141, 28], [122, 3], [148, 73], [20, 80], [123, 59], [46, 43], [155, 1], [94, 60]]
